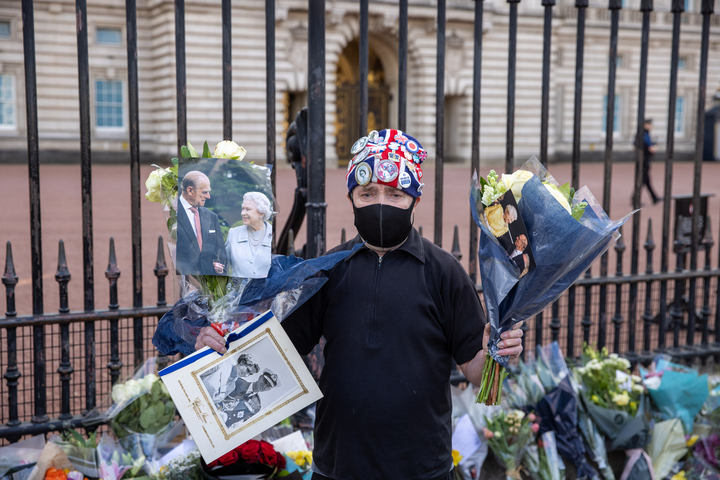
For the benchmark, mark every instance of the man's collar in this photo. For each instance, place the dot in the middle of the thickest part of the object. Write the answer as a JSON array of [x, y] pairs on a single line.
[[413, 245], [184, 202]]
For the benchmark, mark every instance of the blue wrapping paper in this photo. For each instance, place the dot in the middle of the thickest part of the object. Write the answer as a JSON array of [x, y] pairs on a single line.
[[563, 249], [290, 280]]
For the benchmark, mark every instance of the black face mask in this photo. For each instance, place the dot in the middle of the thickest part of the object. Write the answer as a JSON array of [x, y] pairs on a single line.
[[383, 226]]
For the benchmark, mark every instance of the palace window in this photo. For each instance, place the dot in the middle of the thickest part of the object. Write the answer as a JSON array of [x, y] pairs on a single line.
[[109, 36], [4, 29], [109, 104], [679, 115], [7, 101], [616, 114]]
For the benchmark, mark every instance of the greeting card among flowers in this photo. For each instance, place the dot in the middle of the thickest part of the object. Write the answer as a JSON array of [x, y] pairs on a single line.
[[228, 399]]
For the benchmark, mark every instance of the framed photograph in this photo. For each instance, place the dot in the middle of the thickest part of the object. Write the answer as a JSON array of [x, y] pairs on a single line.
[[225, 214], [228, 399], [504, 222]]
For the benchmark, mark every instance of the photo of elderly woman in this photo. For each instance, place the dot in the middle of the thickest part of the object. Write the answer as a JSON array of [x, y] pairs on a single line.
[[248, 246]]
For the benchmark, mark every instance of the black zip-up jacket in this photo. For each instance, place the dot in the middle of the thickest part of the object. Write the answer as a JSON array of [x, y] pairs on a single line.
[[392, 325]]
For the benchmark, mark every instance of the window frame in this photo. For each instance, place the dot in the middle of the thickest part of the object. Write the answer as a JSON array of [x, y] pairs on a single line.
[[108, 44], [680, 119], [105, 131], [617, 114], [12, 128]]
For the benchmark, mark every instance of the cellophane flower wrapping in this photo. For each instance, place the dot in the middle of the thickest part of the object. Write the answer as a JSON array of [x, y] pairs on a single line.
[[563, 248], [676, 390], [667, 446], [140, 411], [508, 434], [290, 282], [24, 452], [541, 459]]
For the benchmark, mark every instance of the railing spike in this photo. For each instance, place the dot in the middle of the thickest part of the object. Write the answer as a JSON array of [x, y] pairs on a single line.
[[708, 238], [420, 230], [456, 244], [291, 243], [62, 268], [160, 269], [62, 276], [342, 236], [112, 274], [649, 242], [9, 277]]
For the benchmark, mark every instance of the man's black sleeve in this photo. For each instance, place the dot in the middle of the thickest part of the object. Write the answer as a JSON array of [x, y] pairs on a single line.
[[305, 325], [464, 316]]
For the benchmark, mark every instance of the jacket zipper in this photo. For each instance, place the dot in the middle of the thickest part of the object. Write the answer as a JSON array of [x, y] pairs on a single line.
[[371, 333]]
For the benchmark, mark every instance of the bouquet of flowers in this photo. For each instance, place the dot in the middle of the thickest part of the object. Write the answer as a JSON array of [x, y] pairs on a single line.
[[595, 443], [676, 390], [537, 238], [667, 446], [140, 412], [615, 401], [508, 435], [81, 452], [607, 383], [541, 459], [252, 457]]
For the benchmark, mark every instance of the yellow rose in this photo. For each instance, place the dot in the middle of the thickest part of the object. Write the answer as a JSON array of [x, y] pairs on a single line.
[[516, 181], [229, 149], [153, 185], [691, 441], [558, 196]]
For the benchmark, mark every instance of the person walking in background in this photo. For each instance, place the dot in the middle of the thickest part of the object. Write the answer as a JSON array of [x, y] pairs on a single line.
[[649, 149]]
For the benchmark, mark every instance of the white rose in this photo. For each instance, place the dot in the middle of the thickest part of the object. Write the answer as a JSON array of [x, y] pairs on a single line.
[[516, 181], [147, 382], [133, 388], [153, 185], [118, 393], [229, 149], [558, 196]]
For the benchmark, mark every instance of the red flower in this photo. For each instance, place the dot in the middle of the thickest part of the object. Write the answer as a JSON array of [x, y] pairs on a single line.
[[250, 451], [228, 459], [280, 462], [267, 453]]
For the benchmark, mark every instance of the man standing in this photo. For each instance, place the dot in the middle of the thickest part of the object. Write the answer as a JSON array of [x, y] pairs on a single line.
[[200, 243], [649, 149], [394, 314]]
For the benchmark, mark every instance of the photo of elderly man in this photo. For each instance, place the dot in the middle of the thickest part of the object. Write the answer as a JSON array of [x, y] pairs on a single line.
[[248, 246], [221, 379], [200, 245]]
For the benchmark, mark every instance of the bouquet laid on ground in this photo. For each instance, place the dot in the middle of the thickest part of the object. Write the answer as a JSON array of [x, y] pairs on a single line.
[[667, 446], [676, 390], [140, 412], [537, 238], [81, 452], [615, 401], [541, 459], [508, 435], [558, 408]]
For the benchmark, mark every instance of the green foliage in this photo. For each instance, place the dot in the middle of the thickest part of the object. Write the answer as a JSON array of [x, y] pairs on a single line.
[[600, 383], [74, 437], [149, 413], [206, 151]]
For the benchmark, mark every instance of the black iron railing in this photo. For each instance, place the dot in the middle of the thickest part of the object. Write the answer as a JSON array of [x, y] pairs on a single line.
[[680, 309]]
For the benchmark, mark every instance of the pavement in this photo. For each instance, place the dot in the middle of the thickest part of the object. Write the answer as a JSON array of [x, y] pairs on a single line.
[[61, 219]]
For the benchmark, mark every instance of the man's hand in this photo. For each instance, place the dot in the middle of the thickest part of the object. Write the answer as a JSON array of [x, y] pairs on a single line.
[[209, 337], [511, 343]]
